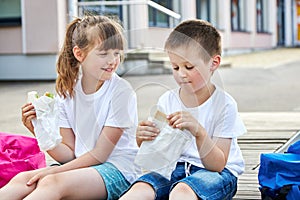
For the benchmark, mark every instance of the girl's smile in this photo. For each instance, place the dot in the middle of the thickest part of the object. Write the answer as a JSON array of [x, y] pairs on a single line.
[[109, 69]]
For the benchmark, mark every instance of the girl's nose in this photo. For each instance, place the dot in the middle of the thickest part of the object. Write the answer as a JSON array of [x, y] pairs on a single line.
[[111, 59]]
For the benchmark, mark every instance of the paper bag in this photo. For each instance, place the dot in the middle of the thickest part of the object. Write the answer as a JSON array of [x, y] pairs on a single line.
[[162, 154]]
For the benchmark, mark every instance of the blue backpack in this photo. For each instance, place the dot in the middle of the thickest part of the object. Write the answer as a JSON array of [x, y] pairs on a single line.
[[279, 174]]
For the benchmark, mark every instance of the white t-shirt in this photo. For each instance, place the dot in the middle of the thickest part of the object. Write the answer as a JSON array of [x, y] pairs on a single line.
[[219, 116], [114, 105]]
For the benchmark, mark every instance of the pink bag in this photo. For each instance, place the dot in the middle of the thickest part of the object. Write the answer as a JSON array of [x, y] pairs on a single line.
[[18, 153]]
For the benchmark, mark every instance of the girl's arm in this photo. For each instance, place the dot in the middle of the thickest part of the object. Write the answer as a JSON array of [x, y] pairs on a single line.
[[28, 113], [213, 152], [99, 154], [64, 152]]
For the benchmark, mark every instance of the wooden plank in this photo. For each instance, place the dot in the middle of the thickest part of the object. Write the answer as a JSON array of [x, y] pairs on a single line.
[[269, 146], [272, 120], [267, 132]]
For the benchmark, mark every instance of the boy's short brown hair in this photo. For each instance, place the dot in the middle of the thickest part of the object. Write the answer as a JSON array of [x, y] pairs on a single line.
[[198, 34]]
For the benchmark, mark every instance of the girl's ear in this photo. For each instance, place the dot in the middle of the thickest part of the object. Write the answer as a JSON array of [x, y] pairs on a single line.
[[216, 60], [79, 55]]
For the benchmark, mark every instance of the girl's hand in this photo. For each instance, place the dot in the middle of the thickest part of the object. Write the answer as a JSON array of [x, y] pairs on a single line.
[[146, 131], [28, 113], [184, 120], [36, 178]]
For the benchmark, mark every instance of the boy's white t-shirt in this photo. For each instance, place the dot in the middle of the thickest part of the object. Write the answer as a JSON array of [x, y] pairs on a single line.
[[114, 105], [220, 118]]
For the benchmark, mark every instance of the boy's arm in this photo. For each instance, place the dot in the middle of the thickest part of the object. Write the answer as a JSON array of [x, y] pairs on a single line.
[[146, 131], [213, 152]]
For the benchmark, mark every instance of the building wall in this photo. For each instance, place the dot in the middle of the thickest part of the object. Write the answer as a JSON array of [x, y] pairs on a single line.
[[10, 40], [39, 26], [30, 51], [233, 41]]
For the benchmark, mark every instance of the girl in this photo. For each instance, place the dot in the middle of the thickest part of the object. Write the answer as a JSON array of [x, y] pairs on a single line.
[[97, 120]]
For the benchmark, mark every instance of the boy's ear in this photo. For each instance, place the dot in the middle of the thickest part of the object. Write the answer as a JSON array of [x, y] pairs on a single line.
[[216, 60], [79, 55]]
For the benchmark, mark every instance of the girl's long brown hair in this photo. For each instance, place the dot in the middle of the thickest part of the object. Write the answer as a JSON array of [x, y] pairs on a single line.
[[85, 33]]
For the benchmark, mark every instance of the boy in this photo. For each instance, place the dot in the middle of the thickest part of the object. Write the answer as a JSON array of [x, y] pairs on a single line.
[[209, 168]]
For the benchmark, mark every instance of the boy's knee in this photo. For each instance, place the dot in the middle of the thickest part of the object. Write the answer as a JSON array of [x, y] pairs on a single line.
[[181, 190], [140, 189]]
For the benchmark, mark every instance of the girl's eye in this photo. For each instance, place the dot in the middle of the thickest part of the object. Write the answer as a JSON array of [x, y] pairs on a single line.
[[117, 53], [102, 54]]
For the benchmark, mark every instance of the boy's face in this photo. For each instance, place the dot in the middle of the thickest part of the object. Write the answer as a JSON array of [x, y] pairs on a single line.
[[189, 70]]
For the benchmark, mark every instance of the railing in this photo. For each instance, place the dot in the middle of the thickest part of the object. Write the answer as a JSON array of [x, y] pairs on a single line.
[[152, 4]]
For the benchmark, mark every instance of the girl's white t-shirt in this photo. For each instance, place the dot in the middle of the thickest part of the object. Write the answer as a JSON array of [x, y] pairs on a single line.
[[220, 118], [114, 105]]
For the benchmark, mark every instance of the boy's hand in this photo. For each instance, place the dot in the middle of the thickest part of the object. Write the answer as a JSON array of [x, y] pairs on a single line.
[[146, 131], [28, 113], [184, 120]]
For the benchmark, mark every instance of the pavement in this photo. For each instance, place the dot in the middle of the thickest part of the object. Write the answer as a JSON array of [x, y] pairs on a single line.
[[264, 59], [13, 94]]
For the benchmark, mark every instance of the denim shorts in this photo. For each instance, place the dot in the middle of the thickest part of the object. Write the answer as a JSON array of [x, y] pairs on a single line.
[[206, 184], [114, 180]]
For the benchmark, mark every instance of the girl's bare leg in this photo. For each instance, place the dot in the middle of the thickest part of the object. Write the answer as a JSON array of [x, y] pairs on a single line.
[[17, 189], [138, 190], [83, 183]]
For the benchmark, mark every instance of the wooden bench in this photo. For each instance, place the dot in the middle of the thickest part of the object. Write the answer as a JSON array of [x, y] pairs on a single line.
[[267, 132]]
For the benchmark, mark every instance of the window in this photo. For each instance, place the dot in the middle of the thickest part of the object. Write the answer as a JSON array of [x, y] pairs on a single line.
[[10, 12], [107, 10], [262, 16], [208, 10], [238, 15], [156, 17], [202, 9]]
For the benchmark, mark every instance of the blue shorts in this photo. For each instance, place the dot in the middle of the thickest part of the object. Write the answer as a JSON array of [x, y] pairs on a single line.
[[206, 184], [114, 180]]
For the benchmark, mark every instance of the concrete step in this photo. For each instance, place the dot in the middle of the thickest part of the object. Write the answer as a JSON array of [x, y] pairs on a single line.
[[157, 58]]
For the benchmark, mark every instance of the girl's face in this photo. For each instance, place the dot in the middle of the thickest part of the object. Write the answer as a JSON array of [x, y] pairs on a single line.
[[189, 70], [101, 64]]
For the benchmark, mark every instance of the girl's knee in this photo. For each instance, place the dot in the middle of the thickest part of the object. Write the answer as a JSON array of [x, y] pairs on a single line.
[[49, 181], [22, 177]]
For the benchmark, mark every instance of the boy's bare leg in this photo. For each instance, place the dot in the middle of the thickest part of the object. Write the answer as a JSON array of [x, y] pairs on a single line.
[[182, 191], [138, 190]]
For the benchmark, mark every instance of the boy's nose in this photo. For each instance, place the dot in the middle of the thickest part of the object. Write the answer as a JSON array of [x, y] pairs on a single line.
[[182, 72]]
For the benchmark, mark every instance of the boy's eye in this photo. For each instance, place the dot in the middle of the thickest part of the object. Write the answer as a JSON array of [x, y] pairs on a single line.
[[189, 67], [175, 68]]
